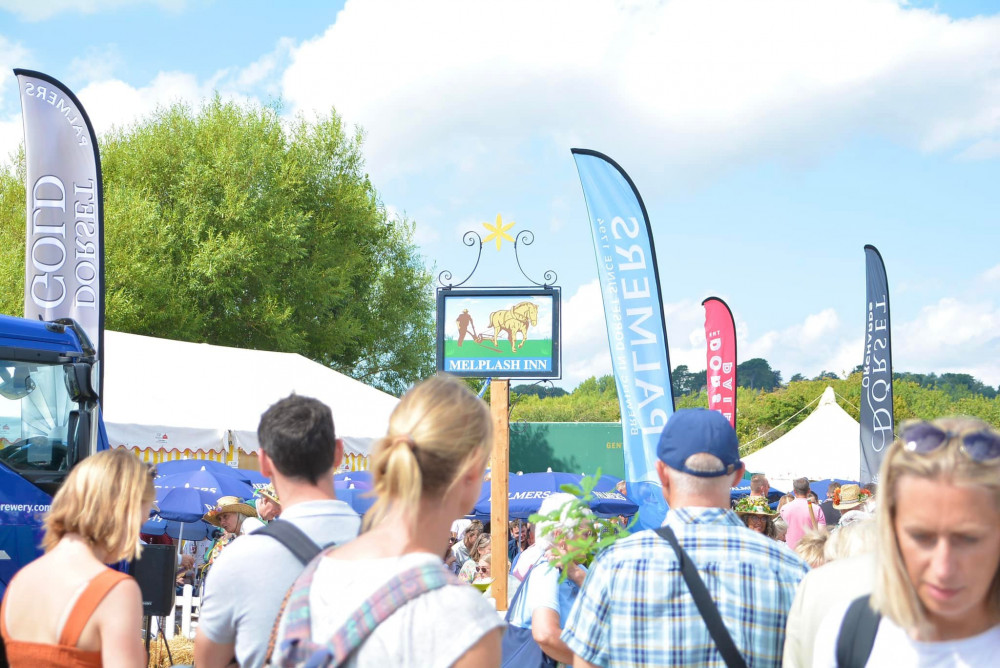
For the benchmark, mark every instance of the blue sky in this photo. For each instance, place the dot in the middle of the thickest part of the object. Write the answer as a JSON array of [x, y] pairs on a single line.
[[770, 142]]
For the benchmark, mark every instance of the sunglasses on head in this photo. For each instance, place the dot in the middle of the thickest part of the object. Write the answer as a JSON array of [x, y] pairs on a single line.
[[924, 437]]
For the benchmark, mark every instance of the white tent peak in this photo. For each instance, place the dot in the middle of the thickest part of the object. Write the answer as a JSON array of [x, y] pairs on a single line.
[[829, 397], [824, 445]]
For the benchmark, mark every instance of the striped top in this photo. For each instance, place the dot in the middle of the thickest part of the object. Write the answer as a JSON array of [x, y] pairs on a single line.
[[635, 608]]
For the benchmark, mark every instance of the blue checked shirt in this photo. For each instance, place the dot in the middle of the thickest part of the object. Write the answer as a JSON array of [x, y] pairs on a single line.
[[635, 608]]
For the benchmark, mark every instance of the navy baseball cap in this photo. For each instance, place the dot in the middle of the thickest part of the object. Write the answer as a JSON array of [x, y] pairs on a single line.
[[696, 430]]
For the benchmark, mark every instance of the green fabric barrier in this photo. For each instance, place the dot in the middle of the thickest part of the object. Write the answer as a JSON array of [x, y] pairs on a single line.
[[571, 447]]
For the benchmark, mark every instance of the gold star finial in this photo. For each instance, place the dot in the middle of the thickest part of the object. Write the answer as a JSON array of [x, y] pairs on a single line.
[[499, 231]]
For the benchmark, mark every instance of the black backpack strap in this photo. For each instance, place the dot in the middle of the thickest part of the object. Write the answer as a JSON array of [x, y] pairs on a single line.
[[293, 538], [706, 606], [857, 634]]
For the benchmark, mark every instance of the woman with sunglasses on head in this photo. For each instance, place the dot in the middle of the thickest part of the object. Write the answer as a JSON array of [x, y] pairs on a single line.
[[67, 608], [936, 599]]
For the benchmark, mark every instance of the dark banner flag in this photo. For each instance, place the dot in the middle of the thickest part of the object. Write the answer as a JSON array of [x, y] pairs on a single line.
[[720, 339], [630, 285], [876, 382], [64, 255]]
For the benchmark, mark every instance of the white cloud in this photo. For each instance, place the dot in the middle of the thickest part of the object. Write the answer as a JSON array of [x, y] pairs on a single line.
[[951, 336], [584, 335], [689, 85], [266, 70], [34, 10], [992, 274], [96, 64]]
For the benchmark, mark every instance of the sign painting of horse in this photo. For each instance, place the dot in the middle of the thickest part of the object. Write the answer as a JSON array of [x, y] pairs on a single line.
[[501, 333]]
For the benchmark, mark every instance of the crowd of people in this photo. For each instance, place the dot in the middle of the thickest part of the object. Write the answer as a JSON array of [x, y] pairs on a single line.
[[905, 573]]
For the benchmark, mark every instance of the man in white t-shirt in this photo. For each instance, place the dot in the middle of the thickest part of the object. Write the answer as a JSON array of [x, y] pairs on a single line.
[[299, 452]]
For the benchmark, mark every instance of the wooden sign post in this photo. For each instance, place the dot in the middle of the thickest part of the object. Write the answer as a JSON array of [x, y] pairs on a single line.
[[499, 407]]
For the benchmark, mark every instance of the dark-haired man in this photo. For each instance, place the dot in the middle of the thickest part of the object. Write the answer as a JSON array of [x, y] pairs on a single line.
[[299, 451]]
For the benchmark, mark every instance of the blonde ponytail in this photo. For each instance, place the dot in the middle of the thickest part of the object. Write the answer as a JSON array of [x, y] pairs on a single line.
[[438, 429]]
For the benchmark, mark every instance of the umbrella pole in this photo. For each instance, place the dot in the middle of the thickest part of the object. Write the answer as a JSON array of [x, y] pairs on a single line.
[[499, 407]]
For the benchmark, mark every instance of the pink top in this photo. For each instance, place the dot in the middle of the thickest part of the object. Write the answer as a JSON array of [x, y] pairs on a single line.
[[796, 515]]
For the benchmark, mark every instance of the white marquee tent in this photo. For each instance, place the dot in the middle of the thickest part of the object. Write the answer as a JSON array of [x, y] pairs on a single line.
[[164, 395], [824, 445]]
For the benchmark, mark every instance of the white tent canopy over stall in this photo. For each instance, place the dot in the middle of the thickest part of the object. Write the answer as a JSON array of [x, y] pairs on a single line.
[[824, 445], [173, 395]]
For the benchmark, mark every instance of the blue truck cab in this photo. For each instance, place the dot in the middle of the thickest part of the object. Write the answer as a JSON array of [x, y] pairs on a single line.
[[49, 420]]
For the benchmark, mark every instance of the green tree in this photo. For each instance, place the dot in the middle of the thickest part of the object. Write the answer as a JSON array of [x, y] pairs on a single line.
[[685, 382], [757, 374], [222, 225]]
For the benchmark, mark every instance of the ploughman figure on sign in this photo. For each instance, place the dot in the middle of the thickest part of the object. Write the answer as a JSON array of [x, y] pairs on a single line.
[[512, 321]]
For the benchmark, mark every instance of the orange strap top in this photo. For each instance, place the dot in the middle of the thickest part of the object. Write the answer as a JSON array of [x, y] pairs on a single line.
[[66, 653]]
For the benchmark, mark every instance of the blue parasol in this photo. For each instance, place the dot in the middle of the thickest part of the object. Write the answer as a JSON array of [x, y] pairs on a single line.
[[189, 465], [526, 492], [157, 526], [255, 478], [185, 497], [357, 495], [355, 477]]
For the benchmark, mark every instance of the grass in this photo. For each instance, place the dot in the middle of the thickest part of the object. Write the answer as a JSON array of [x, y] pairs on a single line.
[[470, 349]]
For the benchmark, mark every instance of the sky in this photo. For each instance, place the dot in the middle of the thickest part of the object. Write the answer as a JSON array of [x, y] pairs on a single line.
[[770, 142]]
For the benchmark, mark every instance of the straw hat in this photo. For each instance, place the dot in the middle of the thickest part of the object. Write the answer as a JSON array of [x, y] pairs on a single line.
[[850, 496], [228, 504], [753, 505], [269, 492]]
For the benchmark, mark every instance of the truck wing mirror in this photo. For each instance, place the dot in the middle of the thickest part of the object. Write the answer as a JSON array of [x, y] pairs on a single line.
[[79, 382]]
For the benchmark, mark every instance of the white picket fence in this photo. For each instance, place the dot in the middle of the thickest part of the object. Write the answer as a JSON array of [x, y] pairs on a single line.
[[187, 606]]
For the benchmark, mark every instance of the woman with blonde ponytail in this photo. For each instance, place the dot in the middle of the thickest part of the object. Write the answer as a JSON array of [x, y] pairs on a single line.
[[427, 470]]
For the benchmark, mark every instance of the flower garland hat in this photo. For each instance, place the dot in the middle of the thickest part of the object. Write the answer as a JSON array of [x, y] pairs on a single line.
[[753, 506], [850, 496]]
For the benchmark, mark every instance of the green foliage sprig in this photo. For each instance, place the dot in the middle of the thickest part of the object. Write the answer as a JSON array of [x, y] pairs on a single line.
[[592, 534]]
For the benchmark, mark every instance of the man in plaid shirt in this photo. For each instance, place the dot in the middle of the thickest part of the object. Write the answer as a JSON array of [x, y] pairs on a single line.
[[635, 608]]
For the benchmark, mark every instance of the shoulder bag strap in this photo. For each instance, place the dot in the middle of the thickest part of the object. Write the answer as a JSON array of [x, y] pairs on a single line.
[[293, 538], [517, 594], [706, 606], [298, 626], [857, 634], [390, 597]]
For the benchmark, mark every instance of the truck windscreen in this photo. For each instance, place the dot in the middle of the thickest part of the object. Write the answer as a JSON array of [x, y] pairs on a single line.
[[35, 409]]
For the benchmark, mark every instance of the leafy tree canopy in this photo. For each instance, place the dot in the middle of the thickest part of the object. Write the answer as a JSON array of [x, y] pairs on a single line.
[[222, 225], [538, 390], [757, 374]]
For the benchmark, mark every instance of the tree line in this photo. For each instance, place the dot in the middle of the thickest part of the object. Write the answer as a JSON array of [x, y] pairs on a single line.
[[763, 415]]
